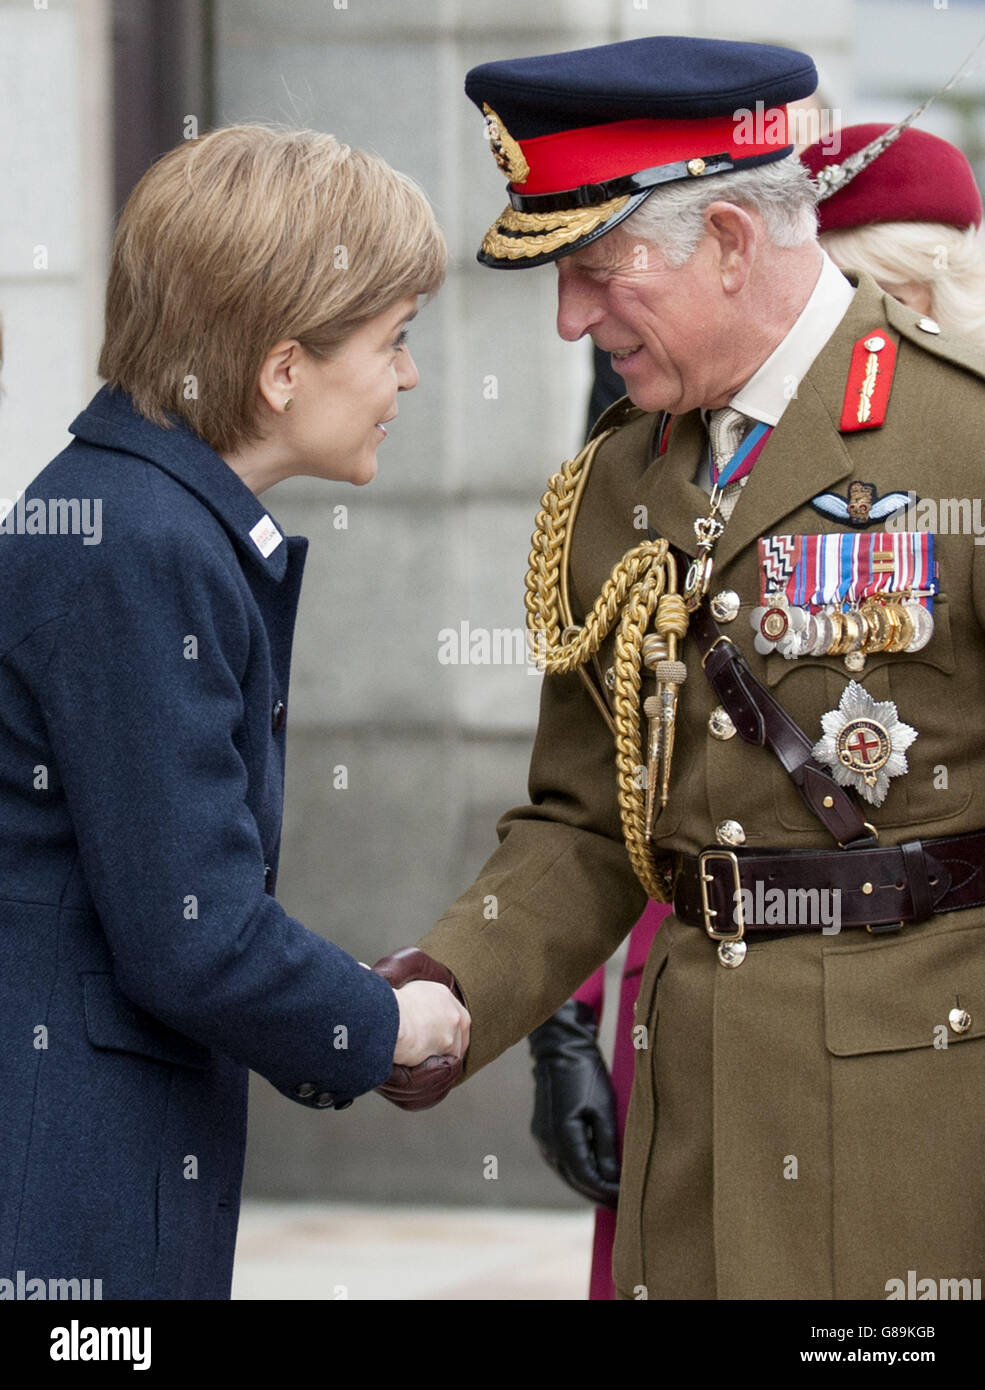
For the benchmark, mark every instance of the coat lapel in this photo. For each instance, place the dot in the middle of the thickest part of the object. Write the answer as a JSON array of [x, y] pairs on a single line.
[[667, 489]]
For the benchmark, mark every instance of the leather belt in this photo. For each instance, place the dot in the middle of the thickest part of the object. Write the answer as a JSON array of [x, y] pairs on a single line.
[[879, 888]]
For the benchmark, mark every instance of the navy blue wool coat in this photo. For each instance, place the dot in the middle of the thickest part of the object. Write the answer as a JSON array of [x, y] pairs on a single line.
[[144, 963]]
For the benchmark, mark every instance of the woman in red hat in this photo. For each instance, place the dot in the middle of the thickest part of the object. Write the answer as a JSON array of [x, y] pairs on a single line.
[[911, 218]]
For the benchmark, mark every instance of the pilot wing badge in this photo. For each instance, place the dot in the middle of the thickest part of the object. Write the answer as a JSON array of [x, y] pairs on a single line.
[[862, 506]]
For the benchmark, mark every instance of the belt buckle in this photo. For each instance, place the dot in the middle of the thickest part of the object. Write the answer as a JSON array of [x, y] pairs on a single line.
[[706, 908]]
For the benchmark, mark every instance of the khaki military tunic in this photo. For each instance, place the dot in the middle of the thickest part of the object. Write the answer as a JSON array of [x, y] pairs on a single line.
[[797, 1127]]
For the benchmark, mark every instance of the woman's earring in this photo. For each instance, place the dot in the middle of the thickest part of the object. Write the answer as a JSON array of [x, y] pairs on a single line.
[[288, 403]]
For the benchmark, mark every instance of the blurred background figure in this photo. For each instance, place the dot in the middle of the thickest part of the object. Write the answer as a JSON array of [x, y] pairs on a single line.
[[912, 219]]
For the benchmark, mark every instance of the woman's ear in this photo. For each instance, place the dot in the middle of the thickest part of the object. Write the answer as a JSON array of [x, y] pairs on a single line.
[[736, 237], [278, 379]]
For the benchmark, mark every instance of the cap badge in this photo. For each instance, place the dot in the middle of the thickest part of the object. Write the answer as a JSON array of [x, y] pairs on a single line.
[[506, 151], [864, 743]]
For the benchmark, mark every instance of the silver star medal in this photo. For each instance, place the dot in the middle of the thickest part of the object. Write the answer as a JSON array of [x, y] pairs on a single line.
[[864, 743]]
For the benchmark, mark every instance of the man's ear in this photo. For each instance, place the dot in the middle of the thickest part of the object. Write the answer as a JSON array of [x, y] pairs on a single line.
[[736, 237]]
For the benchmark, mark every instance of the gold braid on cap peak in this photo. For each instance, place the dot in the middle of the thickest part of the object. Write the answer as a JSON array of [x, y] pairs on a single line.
[[642, 583], [515, 235]]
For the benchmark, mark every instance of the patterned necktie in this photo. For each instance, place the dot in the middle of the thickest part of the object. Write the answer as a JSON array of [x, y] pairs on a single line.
[[727, 427]]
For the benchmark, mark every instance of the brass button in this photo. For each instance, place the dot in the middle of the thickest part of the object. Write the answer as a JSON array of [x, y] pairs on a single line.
[[730, 832], [829, 801], [866, 887], [720, 725], [959, 1020], [695, 167], [725, 606]]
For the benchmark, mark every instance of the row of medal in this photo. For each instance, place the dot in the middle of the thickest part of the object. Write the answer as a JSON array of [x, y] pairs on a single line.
[[847, 595], [895, 623]]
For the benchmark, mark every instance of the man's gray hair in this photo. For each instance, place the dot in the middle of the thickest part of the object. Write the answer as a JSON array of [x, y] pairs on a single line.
[[782, 193]]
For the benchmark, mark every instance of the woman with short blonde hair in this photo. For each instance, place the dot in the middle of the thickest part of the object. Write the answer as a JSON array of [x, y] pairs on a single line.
[[244, 237], [911, 217], [259, 294]]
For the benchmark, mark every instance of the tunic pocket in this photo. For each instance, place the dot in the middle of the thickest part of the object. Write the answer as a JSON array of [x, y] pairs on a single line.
[[920, 686], [904, 1027]]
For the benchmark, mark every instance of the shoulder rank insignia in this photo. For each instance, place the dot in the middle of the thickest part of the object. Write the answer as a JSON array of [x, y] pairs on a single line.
[[870, 380], [862, 506]]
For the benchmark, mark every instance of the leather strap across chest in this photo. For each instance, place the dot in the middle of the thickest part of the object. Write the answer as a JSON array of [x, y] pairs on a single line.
[[760, 719]]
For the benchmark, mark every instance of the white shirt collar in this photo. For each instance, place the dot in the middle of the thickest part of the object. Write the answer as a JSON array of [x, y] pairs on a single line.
[[770, 389]]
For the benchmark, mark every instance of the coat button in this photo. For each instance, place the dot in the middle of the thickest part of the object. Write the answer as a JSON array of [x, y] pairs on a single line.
[[278, 716], [324, 1099], [305, 1090], [959, 1020], [720, 725], [730, 832], [725, 606], [268, 879], [929, 325]]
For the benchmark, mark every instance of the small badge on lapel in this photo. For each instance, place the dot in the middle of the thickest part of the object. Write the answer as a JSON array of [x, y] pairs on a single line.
[[265, 536], [862, 506]]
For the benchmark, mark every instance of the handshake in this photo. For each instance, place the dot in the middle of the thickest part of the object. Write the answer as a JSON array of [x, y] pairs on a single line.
[[434, 1029]]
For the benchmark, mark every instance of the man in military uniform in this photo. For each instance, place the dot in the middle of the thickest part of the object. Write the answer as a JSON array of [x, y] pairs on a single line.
[[806, 1116]]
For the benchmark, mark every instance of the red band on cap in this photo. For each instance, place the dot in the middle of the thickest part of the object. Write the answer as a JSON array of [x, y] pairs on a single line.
[[593, 154]]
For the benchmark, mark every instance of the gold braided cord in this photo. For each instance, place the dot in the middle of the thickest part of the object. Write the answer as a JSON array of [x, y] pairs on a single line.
[[543, 232], [636, 589]]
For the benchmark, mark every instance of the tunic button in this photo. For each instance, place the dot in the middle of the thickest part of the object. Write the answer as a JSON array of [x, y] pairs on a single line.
[[324, 1100], [959, 1020], [929, 325], [305, 1090], [278, 716], [268, 879], [720, 725], [730, 832], [725, 606]]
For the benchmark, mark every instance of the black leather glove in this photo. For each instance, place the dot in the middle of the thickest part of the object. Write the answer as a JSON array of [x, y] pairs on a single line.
[[575, 1105]]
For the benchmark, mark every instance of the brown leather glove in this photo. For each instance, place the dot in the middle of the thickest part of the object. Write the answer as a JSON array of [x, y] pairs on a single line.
[[427, 1084]]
